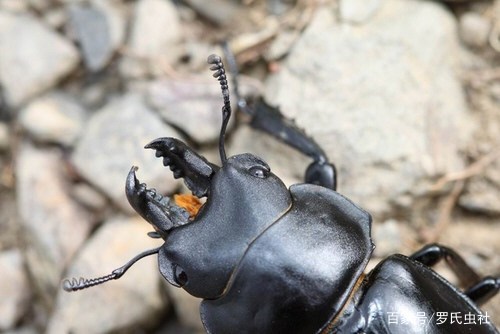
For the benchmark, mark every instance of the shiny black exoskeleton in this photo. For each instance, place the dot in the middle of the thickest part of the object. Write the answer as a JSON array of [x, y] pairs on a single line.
[[267, 259]]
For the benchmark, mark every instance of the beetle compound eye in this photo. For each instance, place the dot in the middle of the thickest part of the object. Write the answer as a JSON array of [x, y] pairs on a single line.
[[180, 276], [259, 172]]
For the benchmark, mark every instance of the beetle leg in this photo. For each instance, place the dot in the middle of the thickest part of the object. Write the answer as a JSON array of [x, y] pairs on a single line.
[[478, 290], [271, 121], [431, 254], [484, 290], [185, 163]]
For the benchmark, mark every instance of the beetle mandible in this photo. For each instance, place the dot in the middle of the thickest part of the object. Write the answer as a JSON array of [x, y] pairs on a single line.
[[267, 259]]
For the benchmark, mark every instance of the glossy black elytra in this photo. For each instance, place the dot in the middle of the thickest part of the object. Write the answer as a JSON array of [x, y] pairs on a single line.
[[267, 259]]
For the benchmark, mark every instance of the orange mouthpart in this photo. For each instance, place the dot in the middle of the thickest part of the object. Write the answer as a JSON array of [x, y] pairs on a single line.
[[189, 203]]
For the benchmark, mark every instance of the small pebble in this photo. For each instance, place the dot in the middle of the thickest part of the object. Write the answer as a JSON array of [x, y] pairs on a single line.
[[495, 91], [15, 6], [89, 197], [474, 29], [14, 289], [39, 5], [358, 11], [54, 118], [92, 31], [28, 66], [55, 18], [4, 136]]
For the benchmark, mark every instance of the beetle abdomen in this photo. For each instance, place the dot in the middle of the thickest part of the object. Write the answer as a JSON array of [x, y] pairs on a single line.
[[296, 275], [404, 296]]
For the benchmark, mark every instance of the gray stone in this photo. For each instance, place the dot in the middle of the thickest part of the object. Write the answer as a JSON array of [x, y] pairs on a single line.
[[95, 96], [23, 330], [387, 238], [4, 136], [114, 140], [474, 29], [495, 91], [68, 2], [14, 288], [89, 197], [192, 104], [55, 18], [281, 45], [483, 191], [358, 11], [133, 301], [39, 5], [116, 15], [53, 225], [220, 12], [93, 34], [21, 74], [156, 30], [381, 98], [54, 118], [15, 6]]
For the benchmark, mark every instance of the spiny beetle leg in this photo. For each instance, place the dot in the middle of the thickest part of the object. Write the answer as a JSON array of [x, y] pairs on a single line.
[[271, 121], [433, 253], [484, 290], [185, 163]]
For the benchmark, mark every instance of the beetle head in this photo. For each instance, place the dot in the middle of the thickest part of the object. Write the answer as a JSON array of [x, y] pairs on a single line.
[[202, 250], [243, 198]]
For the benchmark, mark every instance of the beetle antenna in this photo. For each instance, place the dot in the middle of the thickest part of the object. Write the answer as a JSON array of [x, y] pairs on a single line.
[[220, 74], [82, 283], [233, 69]]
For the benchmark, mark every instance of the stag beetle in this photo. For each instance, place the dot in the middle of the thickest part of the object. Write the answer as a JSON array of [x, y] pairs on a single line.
[[267, 259]]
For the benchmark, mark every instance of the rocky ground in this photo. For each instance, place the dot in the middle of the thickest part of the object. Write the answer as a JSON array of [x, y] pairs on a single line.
[[404, 95]]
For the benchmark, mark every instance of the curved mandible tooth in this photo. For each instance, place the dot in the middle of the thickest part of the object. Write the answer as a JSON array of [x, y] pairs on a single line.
[[159, 211], [177, 174], [185, 163]]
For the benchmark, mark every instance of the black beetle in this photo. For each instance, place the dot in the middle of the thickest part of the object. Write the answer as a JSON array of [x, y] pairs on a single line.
[[267, 259]]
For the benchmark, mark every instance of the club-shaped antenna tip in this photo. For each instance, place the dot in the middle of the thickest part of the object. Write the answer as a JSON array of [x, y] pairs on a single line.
[[214, 59], [220, 75]]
